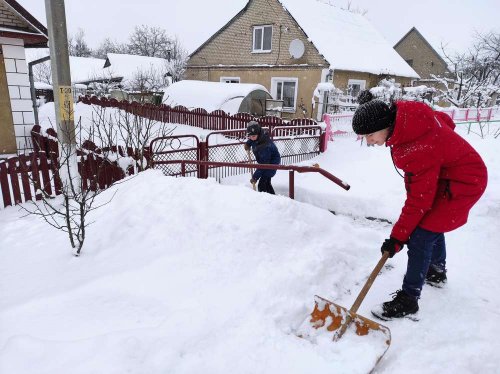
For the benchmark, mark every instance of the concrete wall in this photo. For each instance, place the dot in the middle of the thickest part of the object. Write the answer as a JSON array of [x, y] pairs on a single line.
[[18, 88]]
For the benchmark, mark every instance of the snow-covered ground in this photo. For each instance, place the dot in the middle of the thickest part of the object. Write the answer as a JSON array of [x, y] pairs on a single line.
[[189, 276]]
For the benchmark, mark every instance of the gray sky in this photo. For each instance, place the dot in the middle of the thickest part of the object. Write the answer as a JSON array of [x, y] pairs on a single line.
[[194, 21]]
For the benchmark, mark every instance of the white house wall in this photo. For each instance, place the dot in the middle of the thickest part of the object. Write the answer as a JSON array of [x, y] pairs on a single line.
[[19, 89]]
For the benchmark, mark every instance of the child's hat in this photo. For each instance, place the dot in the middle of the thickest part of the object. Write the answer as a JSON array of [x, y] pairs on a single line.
[[253, 128]]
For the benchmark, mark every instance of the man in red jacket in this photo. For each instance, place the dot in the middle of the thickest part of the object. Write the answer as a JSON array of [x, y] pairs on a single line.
[[444, 177]]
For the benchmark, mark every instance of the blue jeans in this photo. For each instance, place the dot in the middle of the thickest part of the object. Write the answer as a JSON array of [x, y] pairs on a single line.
[[425, 248]]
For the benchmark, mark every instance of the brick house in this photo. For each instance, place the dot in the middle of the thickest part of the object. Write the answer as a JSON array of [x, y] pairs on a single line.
[[18, 30], [291, 46], [422, 57]]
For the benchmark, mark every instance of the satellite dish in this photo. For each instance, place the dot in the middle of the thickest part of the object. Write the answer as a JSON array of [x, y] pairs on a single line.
[[296, 48]]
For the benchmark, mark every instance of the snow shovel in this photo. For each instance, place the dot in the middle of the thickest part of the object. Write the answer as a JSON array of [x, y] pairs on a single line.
[[251, 170], [335, 318]]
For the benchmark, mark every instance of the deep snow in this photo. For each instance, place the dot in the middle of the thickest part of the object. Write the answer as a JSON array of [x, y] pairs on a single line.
[[189, 276]]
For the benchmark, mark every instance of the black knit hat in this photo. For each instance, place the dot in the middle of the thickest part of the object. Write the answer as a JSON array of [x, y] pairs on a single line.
[[253, 128], [372, 116]]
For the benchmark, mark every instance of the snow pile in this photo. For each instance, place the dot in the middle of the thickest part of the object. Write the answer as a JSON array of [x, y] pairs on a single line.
[[188, 276], [209, 95]]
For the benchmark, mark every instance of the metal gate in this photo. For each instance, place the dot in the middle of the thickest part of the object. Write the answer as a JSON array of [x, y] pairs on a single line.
[[175, 148], [295, 144]]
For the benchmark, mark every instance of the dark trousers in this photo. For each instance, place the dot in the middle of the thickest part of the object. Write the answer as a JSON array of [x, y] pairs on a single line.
[[265, 185], [425, 248]]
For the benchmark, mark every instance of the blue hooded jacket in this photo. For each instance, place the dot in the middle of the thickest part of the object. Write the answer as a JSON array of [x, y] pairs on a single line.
[[265, 152]]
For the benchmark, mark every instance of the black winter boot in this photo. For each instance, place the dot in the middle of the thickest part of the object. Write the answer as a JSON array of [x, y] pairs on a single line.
[[436, 277], [400, 306]]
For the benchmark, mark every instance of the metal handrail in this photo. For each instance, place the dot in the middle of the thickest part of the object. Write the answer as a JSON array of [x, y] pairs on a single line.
[[291, 168]]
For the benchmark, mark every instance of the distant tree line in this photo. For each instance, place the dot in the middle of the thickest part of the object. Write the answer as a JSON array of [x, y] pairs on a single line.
[[144, 41], [475, 79]]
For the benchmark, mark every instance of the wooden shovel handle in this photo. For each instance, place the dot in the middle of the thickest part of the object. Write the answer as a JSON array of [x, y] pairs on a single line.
[[369, 282], [251, 170], [361, 296]]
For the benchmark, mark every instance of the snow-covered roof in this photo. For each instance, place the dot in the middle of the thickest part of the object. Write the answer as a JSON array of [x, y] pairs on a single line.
[[347, 40], [127, 66], [85, 68], [209, 95], [42, 86], [82, 68]]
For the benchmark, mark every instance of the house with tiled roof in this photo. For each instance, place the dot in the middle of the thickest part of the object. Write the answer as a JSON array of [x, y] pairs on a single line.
[[294, 47], [18, 30]]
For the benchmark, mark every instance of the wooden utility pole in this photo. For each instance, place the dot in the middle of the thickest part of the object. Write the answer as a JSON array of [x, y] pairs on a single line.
[[63, 95]]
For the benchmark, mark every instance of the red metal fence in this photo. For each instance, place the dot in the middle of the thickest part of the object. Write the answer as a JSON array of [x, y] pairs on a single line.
[[207, 165], [24, 177], [295, 144], [215, 121]]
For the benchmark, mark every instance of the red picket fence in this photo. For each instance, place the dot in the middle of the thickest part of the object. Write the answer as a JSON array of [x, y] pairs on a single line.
[[217, 120], [22, 178]]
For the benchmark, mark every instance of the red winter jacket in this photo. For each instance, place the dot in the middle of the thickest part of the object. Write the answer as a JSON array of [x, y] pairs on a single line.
[[444, 176]]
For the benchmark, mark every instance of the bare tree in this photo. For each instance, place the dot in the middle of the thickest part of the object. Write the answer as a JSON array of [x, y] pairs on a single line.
[[42, 72], [78, 46], [476, 73], [69, 211], [147, 80], [101, 85], [111, 127], [177, 50], [109, 46], [137, 132], [177, 69], [350, 7], [150, 41]]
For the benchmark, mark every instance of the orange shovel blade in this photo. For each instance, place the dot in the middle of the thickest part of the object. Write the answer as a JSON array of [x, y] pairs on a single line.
[[328, 317]]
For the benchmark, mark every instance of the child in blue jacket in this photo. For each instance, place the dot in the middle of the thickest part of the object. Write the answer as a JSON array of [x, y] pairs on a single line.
[[265, 152]]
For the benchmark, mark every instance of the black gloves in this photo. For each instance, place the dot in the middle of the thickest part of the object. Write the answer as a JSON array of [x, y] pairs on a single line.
[[392, 246]]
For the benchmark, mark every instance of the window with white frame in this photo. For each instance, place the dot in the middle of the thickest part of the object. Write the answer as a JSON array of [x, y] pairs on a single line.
[[285, 89], [355, 86], [262, 38], [230, 79]]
